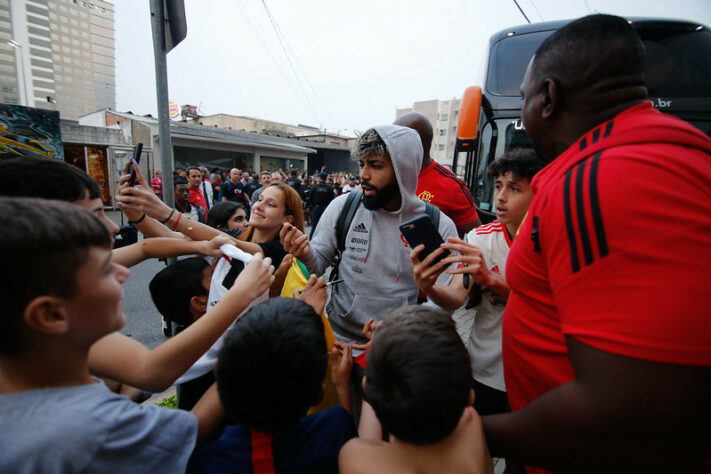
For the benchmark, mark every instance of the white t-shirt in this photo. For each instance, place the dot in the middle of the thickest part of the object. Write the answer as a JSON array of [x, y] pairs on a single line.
[[348, 188], [484, 342], [226, 271]]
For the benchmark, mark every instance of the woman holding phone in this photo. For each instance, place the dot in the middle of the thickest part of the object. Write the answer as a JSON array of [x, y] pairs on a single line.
[[279, 204]]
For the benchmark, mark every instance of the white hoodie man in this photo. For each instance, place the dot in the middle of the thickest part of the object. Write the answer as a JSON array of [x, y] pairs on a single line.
[[375, 264]]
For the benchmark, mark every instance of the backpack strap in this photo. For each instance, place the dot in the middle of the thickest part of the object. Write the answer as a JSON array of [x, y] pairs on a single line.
[[342, 224], [346, 217]]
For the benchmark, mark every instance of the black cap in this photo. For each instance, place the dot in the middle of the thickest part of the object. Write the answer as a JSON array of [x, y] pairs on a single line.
[[323, 175]]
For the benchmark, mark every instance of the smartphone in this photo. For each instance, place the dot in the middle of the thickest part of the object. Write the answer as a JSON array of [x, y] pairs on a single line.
[[421, 230], [137, 150]]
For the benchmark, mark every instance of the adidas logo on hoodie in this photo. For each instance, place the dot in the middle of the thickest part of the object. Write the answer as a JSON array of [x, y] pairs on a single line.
[[360, 228]]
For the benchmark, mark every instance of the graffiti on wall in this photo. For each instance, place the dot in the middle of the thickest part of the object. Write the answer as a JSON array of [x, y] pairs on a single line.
[[26, 131]]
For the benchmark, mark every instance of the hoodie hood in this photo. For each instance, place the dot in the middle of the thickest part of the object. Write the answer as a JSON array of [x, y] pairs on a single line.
[[375, 264], [405, 148]]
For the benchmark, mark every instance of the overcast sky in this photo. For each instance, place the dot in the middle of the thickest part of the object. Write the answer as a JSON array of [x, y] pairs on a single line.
[[356, 60]]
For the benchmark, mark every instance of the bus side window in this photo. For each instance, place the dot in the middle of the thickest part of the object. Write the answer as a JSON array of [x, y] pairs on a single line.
[[484, 188]]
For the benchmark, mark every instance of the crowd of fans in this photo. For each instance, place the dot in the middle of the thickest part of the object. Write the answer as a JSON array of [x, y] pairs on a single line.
[[589, 351]]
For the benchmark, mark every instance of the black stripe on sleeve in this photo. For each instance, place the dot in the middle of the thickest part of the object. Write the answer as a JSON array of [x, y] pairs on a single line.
[[580, 206], [595, 204], [596, 135], [569, 223], [608, 129], [583, 143]]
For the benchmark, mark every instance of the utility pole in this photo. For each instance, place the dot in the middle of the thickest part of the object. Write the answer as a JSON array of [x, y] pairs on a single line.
[[162, 43]]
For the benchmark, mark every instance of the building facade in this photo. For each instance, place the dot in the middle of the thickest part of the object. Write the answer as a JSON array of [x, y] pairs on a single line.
[[443, 115], [58, 55]]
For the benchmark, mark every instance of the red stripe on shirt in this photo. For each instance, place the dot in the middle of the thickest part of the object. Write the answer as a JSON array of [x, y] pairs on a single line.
[[495, 226], [447, 173], [262, 456]]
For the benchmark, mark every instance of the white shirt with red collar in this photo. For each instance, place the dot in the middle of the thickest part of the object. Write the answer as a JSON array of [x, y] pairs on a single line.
[[484, 342]]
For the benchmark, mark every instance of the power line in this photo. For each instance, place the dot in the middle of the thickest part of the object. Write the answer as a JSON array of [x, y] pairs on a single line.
[[521, 10], [298, 64], [536, 8], [262, 39], [291, 64]]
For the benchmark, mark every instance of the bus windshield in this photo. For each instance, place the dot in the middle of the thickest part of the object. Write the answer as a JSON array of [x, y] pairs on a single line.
[[677, 60]]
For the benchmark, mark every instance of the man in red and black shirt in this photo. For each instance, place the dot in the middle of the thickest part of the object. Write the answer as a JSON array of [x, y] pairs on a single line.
[[606, 333], [437, 184], [196, 196]]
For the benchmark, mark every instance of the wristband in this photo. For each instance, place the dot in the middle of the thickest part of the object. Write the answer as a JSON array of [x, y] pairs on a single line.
[[175, 226], [138, 221], [172, 211]]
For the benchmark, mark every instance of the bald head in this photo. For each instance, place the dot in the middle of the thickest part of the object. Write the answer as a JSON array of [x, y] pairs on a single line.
[[593, 52], [423, 127], [582, 75]]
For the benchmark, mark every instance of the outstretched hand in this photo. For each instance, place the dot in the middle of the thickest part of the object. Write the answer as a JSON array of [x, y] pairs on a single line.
[[369, 328], [255, 279], [472, 256], [425, 272], [294, 241], [212, 247], [139, 198], [341, 368], [314, 293]]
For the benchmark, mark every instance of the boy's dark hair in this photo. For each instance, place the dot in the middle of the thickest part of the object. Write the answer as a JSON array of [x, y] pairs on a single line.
[[418, 376], [43, 243], [194, 168], [174, 286], [272, 366], [180, 180], [221, 212], [45, 178], [521, 162]]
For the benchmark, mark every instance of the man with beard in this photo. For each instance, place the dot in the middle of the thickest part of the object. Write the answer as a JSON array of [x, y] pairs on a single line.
[[375, 263]]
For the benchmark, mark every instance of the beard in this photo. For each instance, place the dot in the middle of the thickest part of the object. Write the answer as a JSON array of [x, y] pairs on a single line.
[[381, 196]]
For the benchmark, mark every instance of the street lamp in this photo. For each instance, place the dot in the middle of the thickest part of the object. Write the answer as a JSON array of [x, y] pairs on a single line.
[[18, 46]]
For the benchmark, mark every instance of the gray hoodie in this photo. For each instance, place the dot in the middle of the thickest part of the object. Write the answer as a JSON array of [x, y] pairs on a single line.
[[375, 265]]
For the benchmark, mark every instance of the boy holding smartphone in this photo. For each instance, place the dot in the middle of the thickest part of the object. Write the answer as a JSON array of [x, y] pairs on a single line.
[[483, 256]]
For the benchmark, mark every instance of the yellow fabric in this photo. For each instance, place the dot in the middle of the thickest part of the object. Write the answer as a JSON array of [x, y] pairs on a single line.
[[296, 279]]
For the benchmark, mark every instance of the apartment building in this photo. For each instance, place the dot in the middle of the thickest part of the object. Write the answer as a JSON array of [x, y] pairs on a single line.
[[443, 115], [58, 55]]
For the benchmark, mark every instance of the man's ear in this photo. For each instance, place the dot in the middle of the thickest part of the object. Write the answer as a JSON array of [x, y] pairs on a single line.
[[365, 390], [472, 396], [47, 315], [198, 305], [551, 98]]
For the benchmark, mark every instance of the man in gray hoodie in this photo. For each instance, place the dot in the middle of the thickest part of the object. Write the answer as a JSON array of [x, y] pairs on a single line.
[[375, 264]]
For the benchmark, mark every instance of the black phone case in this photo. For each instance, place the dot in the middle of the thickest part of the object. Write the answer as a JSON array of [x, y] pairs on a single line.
[[421, 230], [137, 150]]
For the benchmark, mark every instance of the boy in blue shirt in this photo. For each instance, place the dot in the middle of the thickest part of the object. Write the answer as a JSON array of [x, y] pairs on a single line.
[[269, 372], [65, 294]]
